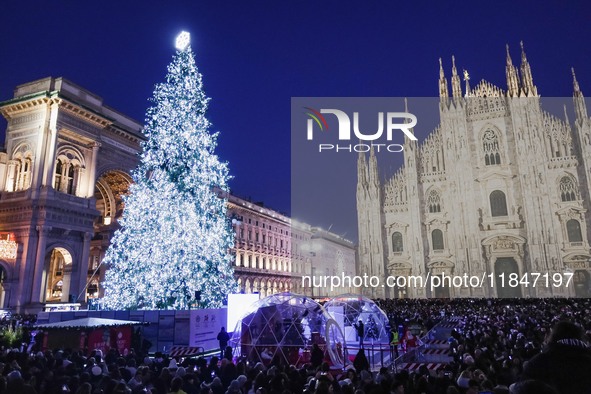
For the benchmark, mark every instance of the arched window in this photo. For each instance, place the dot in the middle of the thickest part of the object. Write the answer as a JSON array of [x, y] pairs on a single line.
[[434, 202], [568, 189], [573, 229], [490, 146], [70, 184], [437, 239], [19, 172], [69, 167], [397, 245], [498, 204], [59, 168], [22, 180]]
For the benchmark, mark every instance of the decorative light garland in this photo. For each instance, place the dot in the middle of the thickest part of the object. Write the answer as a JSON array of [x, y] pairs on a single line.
[[8, 249]]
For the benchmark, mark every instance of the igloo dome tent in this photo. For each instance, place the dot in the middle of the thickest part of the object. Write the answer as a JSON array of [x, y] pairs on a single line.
[[283, 327], [347, 310]]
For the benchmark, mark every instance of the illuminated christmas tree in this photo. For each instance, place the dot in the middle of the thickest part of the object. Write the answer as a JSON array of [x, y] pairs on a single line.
[[175, 237]]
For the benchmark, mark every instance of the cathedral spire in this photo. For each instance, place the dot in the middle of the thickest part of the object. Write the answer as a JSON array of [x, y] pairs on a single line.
[[443, 92], [361, 171], [373, 168], [526, 78], [578, 98], [576, 87], [512, 77], [456, 88], [412, 130]]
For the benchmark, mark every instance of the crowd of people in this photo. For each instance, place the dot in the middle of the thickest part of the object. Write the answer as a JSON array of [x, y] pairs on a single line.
[[498, 346]]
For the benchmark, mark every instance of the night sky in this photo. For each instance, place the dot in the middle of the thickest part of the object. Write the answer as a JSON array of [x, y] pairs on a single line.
[[256, 55]]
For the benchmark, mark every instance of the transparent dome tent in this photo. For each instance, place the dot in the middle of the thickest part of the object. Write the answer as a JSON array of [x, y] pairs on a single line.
[[282, 328], [348, 310]]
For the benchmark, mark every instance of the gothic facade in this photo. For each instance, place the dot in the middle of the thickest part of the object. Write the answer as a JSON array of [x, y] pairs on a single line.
[[500, 187]]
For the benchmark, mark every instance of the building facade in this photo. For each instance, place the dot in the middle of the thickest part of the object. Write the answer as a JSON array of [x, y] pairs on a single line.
[[273, 253], [501, 187], [262, 252], [64, 169], [333, 264]]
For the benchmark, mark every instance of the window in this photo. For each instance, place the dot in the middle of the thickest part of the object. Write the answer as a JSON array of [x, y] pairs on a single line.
[[568, 189], [20, 172], [437, 239], [434, 202], [498, 204], [58, 174], [70, 180], [573, 229], [490, 146], [23, 178], [67, 173], [95, 262], [397, 245]]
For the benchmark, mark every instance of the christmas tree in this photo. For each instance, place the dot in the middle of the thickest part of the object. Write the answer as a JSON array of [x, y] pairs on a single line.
[[175, 237]]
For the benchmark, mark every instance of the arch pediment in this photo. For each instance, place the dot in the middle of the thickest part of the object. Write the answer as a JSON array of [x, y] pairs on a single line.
[[571, 209], [576, 256], [503, 241], [437, 221], [399, 266], [441, 263], [396, 226], [494, 174]]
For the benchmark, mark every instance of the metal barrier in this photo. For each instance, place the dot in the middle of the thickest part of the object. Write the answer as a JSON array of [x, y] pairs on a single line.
[[376, 353], [416, 355]]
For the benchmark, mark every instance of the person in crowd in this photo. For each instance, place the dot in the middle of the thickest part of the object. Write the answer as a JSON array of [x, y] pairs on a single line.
[[497, 346], [223, 338], [565, 363], [360, 362], [316, 356], [360, 327]]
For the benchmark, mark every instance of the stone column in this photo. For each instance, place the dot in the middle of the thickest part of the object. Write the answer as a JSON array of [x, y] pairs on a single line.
[[65, 178], [10, 179], [45, 156], [91, 179], [78, 175], [38, 289], [66, 283], [79, 287]]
